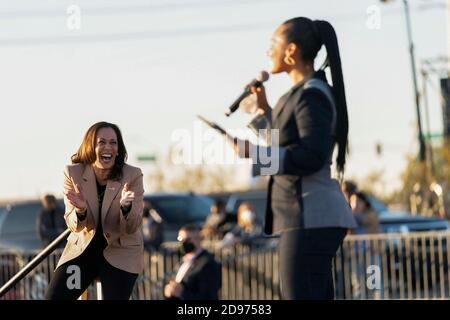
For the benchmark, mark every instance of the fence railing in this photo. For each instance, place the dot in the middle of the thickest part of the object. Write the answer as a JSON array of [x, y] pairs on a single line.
[[406, 266], [383, 266]]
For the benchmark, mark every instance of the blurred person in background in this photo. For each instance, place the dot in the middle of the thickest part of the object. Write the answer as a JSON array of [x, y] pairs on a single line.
[[216, 224], [366, 217], [152, 227], [199, 276], [368, 223], [50, 220], [247, 230], [349, 188]]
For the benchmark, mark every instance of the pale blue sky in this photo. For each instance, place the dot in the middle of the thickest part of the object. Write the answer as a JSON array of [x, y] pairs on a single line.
[[151, 66]]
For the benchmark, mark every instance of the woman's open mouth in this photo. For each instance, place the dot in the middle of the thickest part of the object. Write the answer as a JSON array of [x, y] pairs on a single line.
[[106, 158]]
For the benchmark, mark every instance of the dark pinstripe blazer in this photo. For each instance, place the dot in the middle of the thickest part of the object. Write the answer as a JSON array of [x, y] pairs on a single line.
[[301, 192]]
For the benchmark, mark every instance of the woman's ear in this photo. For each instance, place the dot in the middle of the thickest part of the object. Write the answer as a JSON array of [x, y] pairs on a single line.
[[291, 50]]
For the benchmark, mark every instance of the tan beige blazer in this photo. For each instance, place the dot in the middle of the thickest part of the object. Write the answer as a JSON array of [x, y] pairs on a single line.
[[125, 248]]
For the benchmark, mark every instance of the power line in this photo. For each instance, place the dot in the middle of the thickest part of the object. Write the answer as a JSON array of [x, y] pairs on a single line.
[[148, 35], [173, 7], [136, 9], [143, 35]]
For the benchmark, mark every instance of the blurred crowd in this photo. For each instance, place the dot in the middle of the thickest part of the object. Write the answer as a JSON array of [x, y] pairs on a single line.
[[199, 275], [366, 217], [226, 229]]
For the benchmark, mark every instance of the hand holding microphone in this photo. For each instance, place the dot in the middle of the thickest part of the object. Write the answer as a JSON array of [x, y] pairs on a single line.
[[256, 87], [256, 102]]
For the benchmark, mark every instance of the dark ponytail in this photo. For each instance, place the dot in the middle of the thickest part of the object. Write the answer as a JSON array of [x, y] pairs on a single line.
[[310, 36]]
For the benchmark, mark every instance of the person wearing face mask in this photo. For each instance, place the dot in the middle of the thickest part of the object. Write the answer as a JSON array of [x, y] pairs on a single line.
[[305, 205], [246, 232], [199, 276], [103, 197]]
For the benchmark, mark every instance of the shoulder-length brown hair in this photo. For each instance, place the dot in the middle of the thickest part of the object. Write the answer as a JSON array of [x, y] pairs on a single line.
[[86, 152]]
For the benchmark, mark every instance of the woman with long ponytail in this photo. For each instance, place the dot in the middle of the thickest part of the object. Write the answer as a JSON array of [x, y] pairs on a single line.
[[305, 205]]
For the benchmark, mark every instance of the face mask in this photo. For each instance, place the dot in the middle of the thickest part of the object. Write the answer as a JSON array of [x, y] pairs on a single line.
[[187, 246], [247, 216]]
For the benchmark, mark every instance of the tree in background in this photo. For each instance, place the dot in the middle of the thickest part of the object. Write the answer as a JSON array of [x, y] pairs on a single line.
[[165, 176], [425, 185], [202, 179]]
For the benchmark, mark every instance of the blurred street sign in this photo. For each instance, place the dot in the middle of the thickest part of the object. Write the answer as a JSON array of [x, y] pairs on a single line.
[[433, 136], [146, 158], [378, 149]]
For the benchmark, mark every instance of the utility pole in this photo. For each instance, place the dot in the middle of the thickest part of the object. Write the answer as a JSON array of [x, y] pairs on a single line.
[[422, 148]]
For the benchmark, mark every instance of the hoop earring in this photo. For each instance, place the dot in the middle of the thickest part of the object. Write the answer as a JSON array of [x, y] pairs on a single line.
[[289, 60]]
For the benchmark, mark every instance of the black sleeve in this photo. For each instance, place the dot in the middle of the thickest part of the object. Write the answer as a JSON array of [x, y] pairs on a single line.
[[41, 227], [209, 283], [313, 117], [45, 231]]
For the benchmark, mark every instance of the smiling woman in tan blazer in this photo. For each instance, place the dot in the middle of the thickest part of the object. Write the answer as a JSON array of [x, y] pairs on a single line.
[[104, 204]]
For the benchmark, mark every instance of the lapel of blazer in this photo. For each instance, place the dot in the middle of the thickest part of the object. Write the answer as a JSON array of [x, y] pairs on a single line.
[[89, 190], [194, 265], [112, 188], [281, 105], [277, 110], [284, 99]]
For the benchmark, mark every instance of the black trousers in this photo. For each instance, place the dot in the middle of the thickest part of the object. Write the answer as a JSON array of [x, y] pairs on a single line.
[[116, 284], [306, 263]]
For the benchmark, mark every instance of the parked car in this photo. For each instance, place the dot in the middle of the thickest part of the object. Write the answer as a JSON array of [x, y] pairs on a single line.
[[390, 221], [18, 228], [177, 209], [404, 222]]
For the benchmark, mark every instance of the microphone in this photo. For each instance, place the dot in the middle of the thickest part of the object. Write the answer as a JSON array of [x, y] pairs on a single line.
[[260, 78]]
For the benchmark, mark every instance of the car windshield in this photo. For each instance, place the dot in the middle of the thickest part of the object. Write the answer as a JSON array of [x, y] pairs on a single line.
[[3, 211], [182, 209], [21, 220]]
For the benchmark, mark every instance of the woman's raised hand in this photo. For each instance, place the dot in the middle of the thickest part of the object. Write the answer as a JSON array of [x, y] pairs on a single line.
[[76, 198]]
